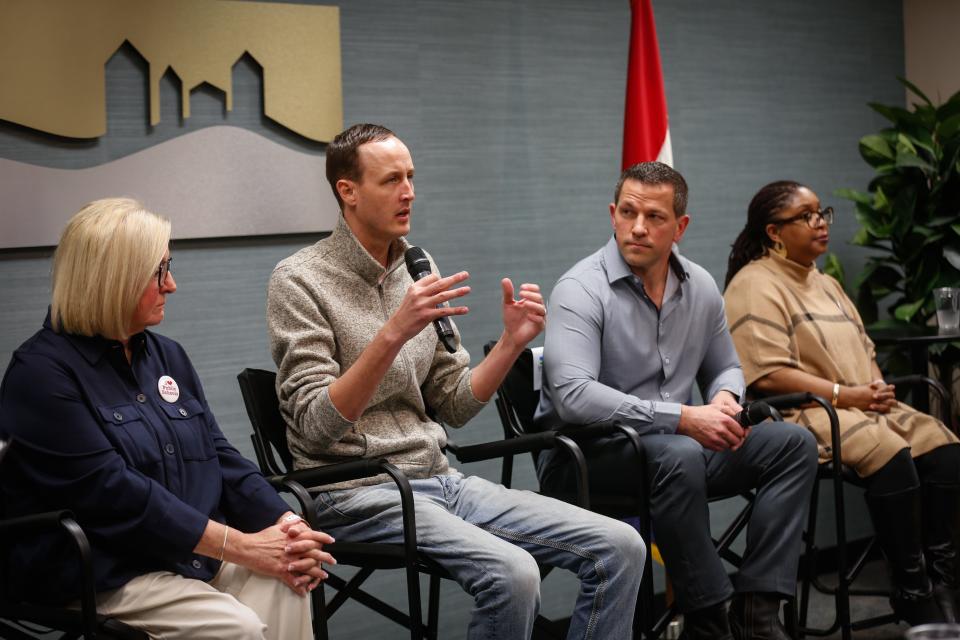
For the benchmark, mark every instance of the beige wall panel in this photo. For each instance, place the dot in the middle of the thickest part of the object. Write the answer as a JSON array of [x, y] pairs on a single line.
[[932, 47]]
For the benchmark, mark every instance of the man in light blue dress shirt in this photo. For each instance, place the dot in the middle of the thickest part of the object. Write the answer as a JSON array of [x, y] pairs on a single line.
[[632, 327]]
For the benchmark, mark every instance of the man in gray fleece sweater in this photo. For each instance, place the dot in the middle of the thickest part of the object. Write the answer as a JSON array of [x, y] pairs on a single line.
[[358, 364]]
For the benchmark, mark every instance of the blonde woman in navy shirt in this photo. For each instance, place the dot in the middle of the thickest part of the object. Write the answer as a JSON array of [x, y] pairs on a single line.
[[109, 420]]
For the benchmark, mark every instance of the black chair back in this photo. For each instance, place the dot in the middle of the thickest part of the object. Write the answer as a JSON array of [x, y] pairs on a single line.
[[519, 391], [269, 437], [516, 399], [17, 615]]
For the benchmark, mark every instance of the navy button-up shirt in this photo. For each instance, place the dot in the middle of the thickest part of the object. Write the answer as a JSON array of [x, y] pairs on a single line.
[[142, 470], [611, 355]]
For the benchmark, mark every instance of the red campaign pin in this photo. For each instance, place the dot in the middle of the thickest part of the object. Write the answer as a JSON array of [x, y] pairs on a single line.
[[168, 388]]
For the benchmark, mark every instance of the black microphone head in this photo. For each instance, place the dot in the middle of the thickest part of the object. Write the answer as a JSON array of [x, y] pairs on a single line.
[[417, 262], [754, 413]]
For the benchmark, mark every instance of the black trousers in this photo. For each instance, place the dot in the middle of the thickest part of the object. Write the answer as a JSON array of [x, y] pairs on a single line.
[[902, 472], [777, 459]]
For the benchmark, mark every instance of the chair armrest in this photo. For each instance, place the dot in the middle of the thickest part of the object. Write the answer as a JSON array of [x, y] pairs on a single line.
[[301, 495], [33, 523], [51, 521], [917, 379], [333, 473], [581, 433], [529, 443], [932, 385], [795, 400], [295, 481], [790, 400]]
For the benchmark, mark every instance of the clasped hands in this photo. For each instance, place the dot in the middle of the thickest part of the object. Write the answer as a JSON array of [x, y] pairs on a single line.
[[875, 396], [291, 552]]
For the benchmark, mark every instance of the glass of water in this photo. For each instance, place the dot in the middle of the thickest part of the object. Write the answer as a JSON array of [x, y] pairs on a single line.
[[934, 631], [947, 302]]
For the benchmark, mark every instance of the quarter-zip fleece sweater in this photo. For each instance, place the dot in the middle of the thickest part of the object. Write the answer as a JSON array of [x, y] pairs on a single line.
[[325, 304]]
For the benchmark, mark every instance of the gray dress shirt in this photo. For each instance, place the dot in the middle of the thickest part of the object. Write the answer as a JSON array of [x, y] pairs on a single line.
[[611, 356]]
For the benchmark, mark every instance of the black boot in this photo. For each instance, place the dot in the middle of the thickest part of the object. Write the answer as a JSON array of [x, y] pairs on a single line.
[[941, 524], [709, 623], [896, 518], [756, 616]]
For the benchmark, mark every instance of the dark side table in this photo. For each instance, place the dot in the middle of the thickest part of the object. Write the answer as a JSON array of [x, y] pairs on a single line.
[[917, 340]]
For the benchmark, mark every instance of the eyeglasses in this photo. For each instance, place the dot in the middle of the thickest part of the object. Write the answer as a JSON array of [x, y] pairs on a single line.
[[813, 218], [162, 272]]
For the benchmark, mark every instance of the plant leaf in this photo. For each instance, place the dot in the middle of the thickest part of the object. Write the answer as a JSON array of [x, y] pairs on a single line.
[[856, 196], [862, 237], [949, 127], [876, 151], [907, 159], [941, 221], [914, 89], [892, 323], [904, 211], [953, 256], [897, 115], [834, 268], [906, 311]]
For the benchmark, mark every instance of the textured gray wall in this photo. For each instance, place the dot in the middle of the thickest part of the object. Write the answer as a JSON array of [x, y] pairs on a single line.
[[513, 112]]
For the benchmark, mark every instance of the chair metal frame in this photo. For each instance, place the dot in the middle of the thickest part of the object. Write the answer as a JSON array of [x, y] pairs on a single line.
[[269, 443], [847, 572], [646, 624], [84, 622]]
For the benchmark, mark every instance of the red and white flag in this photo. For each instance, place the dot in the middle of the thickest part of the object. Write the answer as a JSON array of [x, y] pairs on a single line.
[[646, 135]]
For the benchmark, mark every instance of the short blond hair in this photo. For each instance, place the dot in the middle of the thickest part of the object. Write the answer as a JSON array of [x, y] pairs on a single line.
[[104, 261]]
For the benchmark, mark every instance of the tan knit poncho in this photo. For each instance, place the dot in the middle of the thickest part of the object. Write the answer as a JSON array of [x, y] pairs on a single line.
[[782, 314]]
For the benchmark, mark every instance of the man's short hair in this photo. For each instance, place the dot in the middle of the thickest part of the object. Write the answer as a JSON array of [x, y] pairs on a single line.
[[107, 255], [343, 159], [655, 173]]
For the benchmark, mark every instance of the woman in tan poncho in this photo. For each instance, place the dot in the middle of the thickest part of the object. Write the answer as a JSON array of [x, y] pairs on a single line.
[[796, 330]]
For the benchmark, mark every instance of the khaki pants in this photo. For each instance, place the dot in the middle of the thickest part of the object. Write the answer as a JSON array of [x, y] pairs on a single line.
[[237, 604]]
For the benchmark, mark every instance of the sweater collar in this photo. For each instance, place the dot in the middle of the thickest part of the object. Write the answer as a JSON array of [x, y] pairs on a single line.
[[802, 275], [353, 255]]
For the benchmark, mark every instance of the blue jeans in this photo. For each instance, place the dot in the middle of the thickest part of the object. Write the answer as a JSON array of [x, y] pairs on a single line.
[[490, 539]]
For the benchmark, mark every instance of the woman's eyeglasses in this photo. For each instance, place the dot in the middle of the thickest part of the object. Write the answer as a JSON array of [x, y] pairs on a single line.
[[163, 271], [813, 218]]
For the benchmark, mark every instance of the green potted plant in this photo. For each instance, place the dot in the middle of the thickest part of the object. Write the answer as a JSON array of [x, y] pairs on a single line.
[[910, 218]]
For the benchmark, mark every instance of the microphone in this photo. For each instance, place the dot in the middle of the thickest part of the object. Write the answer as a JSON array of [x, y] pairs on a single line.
[[418, 265], [754, 413]]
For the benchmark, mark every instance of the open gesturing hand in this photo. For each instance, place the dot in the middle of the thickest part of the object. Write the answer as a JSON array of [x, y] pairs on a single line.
[[423, 303], [525, 318]]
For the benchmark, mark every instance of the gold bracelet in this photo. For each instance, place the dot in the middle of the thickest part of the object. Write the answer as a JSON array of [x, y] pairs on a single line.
[[836, 394], [223, 546]]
